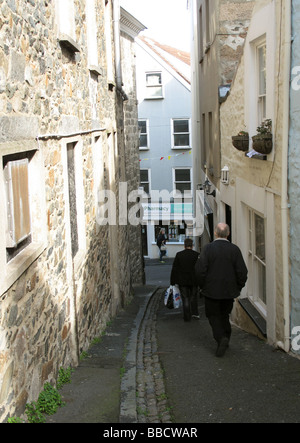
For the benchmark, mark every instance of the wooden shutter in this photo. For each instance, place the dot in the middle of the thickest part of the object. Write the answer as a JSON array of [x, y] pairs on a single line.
[[18, 207]]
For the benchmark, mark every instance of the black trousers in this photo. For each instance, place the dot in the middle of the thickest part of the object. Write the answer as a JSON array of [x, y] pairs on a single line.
[[218, 313], [189, 301]]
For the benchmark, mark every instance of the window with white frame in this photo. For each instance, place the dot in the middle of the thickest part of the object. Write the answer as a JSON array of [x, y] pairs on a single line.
[[181, 133], [154, 85], [257, 260], [145, 180], [143, 133], [261, 51], [182, 179]]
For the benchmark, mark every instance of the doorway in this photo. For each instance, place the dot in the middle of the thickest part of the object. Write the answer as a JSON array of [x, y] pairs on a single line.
[[228, 218]]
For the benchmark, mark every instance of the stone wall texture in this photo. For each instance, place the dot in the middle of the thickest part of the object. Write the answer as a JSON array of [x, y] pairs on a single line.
[[53, 310]]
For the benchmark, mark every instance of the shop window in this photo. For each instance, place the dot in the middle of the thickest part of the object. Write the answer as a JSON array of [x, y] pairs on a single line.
[[175, 233]]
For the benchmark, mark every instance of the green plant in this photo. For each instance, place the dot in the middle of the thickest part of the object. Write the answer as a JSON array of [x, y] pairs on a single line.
[[64, 377], [33, 413], [265, 127], [243, 134], [83, 355], [15, 420], [49, 400]]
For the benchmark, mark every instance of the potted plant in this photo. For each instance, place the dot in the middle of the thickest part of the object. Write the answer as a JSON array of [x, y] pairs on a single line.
[[262, 141], [241, 141]]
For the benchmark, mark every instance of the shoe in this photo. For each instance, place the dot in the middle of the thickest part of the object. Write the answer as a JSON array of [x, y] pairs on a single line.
[[223, 346], [197, 317], [162, 261]]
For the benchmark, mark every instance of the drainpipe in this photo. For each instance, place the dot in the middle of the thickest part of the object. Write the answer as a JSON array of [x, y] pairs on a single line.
[[284, 189], [117, 32]]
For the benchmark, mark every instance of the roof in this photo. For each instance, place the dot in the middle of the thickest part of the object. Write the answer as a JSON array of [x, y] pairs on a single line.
[[130, 24], [178, 60]]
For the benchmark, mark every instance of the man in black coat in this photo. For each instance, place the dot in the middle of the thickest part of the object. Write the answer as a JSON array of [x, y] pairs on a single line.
[[183, 274], [221, 274]]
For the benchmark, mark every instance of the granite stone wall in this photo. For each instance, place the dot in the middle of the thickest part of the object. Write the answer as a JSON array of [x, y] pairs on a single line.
[[51, 101]]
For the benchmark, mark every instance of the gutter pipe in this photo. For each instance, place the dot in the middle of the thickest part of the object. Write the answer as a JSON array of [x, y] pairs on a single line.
[[284, 186]]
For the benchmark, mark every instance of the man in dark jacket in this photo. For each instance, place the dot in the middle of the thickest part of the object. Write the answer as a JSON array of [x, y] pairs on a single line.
[[221, 274], [183, 274]]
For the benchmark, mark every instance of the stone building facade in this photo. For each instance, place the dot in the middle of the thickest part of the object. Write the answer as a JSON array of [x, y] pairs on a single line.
[[220, 28], [68, 130]]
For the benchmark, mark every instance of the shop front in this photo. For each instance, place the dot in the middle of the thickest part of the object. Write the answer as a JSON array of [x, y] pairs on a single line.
[[177, 221]]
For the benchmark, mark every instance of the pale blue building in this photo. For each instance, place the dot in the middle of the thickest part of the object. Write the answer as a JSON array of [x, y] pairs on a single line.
[[165, 107]]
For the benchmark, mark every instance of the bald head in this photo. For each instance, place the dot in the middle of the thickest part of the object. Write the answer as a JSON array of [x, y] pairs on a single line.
[[222, 230]]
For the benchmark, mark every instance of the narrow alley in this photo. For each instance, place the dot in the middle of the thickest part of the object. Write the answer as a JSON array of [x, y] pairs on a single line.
[[169, 372]]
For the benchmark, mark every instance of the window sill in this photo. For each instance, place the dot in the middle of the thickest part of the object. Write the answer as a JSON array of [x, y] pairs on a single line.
[[18, 265], [256, 156], [255, 316], [174, 243], [154, 98], [96, 70], [79, 260], [68, 43], [181, 148]]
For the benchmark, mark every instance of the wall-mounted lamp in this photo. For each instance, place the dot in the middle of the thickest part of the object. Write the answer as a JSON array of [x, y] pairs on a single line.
[[206, 187], [225, 175]]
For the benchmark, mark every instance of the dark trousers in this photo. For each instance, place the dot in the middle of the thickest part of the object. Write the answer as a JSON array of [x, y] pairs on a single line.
[[218, 312], [189, 301]]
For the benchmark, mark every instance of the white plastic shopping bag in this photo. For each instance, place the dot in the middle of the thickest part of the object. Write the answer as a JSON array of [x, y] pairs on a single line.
[[173, 298], [176, 297], [169, 298]]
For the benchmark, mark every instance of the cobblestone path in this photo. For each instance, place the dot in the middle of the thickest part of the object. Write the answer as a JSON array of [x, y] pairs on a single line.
[[152, 402]]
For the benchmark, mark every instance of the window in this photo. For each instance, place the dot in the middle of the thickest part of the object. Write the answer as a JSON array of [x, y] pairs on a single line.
[[154, 85], [262, 82], [143, 131], [175, 233], [17, 206], [109, 46], [65, 13], [203, 141], [182, 180], [200, 35], [23, 223], [145, 180], [92, 43], [257, 259], [210, 132], [207, 21], [181, 134], [74, 196]]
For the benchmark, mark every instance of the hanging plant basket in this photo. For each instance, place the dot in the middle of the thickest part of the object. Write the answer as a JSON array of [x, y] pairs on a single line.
[[241, 142], [263, 143]]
